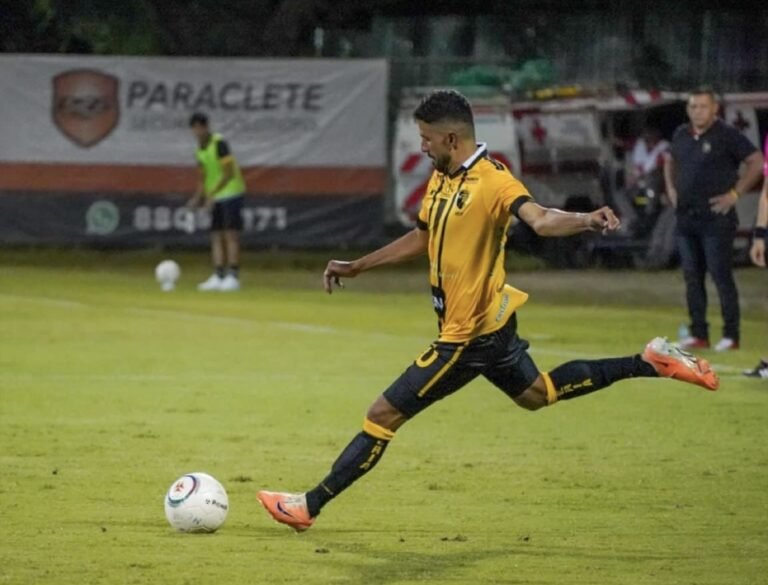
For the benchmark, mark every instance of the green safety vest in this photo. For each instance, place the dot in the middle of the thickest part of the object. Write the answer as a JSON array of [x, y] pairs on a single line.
[[213, 170]]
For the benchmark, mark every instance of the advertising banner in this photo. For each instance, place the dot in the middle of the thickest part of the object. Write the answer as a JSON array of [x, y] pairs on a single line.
[[142, 219], [308, 134]]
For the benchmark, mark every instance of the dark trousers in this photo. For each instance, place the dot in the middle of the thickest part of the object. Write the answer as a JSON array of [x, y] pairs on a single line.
[[705, 242]]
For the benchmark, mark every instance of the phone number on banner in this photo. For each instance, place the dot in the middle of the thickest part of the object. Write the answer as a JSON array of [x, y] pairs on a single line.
[[163, 218]]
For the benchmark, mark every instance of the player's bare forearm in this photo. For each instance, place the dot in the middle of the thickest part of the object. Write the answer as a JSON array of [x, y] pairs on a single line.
[[757, 251], [762, 207], [196, 198], [669, 180], [412, 244], [550, 222], [753, 169]]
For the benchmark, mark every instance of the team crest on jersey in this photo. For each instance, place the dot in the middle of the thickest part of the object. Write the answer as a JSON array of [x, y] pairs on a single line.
[[462, 200]]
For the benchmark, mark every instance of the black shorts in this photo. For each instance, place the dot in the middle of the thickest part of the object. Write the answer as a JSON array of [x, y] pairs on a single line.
[[227, 214], [501, 357]]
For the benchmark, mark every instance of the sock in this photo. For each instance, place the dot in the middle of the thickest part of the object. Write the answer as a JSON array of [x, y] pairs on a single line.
[[220, 271], [581, 377], [358, 458], [234, 270]]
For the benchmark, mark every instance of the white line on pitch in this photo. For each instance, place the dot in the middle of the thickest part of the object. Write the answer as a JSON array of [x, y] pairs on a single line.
[[62, 303], [224, 320], [303, 327]]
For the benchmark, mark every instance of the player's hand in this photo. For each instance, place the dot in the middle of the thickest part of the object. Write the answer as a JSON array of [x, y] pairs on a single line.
[[335, 270], [603, 220], [722, 204], [191, 203], [757, 252]]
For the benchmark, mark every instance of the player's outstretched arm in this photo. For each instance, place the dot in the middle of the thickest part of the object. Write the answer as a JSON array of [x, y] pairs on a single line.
[[199, 194], [669, 179], [757, 251], [547, 221], [412, 244]]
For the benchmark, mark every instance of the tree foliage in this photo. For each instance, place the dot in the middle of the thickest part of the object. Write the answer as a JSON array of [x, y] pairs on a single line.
[[172, 27]]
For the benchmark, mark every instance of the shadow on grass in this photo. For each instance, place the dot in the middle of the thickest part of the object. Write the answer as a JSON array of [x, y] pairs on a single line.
[[458, 563], [394, 566]]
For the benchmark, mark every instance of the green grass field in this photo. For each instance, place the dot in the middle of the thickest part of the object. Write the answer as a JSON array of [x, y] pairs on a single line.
[[110, 389]]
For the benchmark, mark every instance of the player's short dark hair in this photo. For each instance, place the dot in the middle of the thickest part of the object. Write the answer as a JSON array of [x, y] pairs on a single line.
[[704, 90], [198, 119], [445, 105]]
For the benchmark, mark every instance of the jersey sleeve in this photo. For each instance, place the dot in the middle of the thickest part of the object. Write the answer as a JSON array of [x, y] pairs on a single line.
[[422, 220], [674, 146], [508, 196], [222, 149], [740, 146]]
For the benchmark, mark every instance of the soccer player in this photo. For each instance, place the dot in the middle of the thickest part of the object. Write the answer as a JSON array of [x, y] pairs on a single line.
[[221, 191], [462, 226], [757, 251]]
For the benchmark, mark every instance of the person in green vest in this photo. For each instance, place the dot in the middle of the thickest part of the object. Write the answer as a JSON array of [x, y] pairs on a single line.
[[220, 190]]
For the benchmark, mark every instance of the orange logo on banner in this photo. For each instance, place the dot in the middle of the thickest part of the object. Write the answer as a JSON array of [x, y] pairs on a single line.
[[85, 105]]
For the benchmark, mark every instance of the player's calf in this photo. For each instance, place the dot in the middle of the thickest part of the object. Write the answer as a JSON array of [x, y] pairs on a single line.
[[383, 414], [535, 397], [581, 377]]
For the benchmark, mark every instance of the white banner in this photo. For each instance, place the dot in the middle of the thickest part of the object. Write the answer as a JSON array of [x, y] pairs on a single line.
[[135, 111], [560, 130], [743, 117]]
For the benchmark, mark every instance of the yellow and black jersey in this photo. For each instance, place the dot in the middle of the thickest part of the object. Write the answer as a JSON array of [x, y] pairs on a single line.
[[468, 214]]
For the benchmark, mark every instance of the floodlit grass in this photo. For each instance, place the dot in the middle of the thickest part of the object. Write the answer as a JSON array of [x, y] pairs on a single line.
[[110, 389]]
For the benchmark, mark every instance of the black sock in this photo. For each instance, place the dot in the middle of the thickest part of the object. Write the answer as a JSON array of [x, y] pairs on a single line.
[[580, 377], [358, 458], [234, 270], [220, 272]]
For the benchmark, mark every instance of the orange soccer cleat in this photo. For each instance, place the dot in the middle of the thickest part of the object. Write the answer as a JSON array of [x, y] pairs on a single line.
[[290, 509], [670, 361]]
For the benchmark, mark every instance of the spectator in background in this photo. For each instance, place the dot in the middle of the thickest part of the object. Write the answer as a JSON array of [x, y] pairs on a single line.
[[757, 252], [648, 154], [645, 183], [221, 190], [703, 184]]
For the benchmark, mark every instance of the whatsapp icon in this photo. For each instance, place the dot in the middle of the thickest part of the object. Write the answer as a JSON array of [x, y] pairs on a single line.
[[102, 218]]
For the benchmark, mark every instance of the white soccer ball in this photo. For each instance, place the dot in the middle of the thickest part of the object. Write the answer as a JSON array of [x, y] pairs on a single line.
[[196, 502], [167, 273]]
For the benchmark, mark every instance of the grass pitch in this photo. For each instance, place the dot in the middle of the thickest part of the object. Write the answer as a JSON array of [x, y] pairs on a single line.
[[110, 389]]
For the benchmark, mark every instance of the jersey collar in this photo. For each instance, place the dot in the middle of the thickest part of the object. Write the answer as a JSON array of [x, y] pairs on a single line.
[[481, 152], [696, 135]]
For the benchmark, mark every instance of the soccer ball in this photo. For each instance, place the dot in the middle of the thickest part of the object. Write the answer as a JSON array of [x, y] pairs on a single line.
[[167, 273], [196, 502]]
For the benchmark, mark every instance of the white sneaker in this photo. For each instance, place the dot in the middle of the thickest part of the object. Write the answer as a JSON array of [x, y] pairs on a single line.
[[230, 283], [214, 282], [726, 344], [759, 371]]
